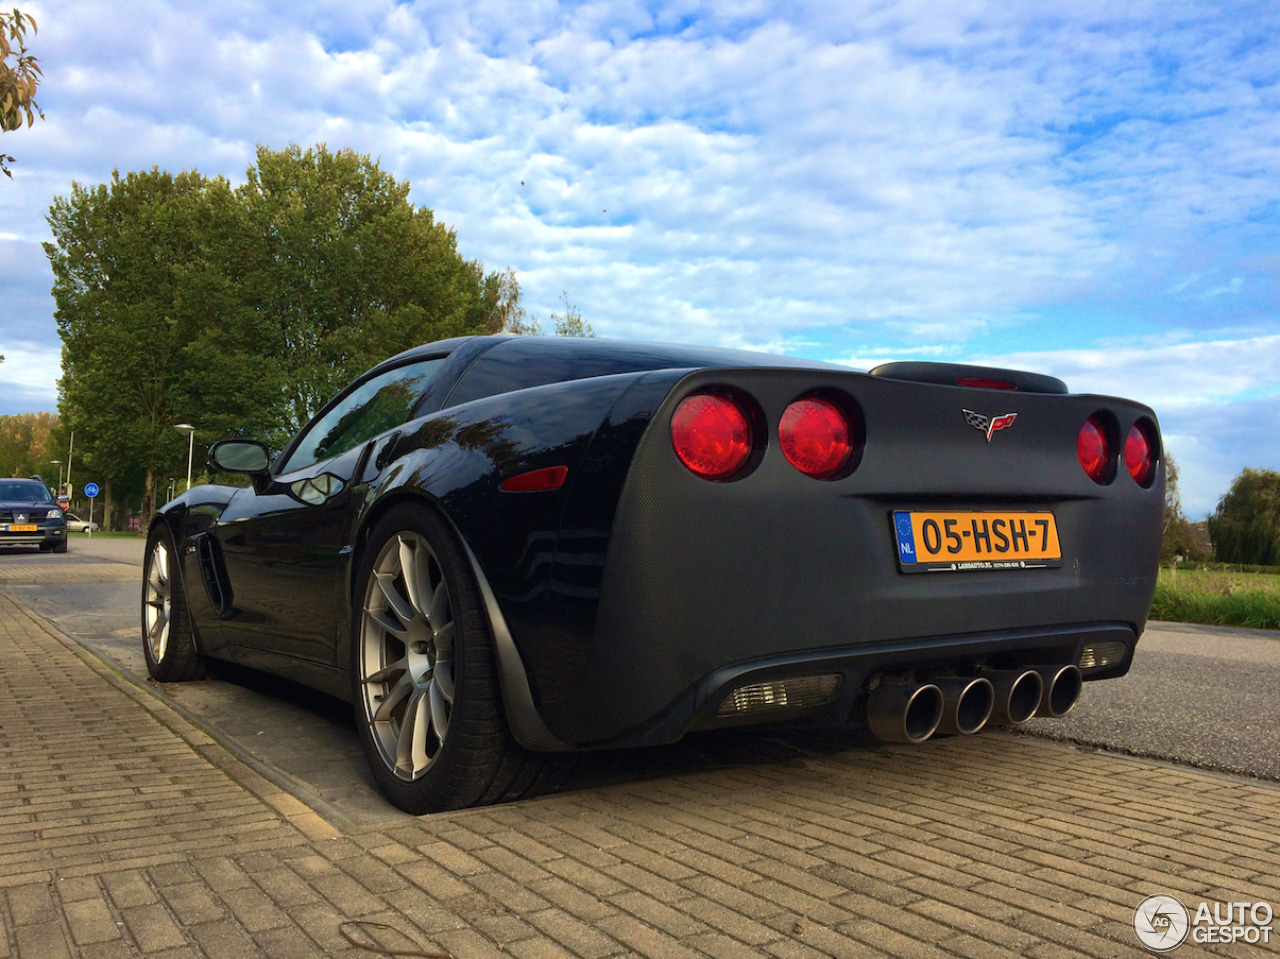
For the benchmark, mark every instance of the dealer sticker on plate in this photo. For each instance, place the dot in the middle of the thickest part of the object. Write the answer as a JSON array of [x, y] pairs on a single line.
[[954, 540]]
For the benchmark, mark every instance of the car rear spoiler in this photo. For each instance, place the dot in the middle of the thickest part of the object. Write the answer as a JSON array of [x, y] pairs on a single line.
[[979, 377]]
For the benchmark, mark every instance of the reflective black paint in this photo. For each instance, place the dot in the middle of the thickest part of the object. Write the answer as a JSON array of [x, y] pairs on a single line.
[[638, 595]]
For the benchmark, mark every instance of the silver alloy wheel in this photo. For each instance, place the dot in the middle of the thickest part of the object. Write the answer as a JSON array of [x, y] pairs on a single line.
[[406, 656], [157, 607]]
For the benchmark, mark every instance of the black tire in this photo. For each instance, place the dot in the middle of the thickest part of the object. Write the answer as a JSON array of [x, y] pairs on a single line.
[[168, 638], [60, 546], [428, 707]]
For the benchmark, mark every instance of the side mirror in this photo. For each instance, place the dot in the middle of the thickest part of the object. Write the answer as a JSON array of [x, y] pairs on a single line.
[[240, 456]]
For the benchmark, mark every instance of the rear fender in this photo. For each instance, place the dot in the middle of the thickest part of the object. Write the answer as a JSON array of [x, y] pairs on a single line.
[[457, 460]]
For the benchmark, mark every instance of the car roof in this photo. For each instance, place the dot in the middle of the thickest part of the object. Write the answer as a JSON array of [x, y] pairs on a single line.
[[630, 353]]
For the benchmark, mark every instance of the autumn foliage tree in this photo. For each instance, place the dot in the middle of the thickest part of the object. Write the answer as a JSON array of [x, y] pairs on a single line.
[[19, 77], [517, 321], [27, 444]]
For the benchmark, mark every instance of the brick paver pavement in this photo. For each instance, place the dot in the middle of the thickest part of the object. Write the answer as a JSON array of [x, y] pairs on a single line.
[[126, 831]]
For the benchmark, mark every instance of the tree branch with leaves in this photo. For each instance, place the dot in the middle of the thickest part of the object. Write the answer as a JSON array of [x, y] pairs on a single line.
[[19, 76]]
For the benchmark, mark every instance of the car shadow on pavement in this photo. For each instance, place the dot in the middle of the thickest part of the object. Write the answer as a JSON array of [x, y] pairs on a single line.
[[311, 738]]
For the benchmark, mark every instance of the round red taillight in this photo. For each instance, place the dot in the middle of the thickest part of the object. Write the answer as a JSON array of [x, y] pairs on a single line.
[[711, 435], [1093, 450], [814, 436], [1139, 454]]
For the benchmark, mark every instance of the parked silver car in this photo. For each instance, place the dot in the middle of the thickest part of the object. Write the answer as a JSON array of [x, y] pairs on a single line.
[[77, 525]]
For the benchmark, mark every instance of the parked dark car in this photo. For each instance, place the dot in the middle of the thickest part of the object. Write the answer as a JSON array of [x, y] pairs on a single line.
[[500, 549], [30, 516]]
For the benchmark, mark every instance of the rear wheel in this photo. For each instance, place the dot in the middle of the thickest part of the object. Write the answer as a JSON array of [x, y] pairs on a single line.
[[425, 684], [168, 641]]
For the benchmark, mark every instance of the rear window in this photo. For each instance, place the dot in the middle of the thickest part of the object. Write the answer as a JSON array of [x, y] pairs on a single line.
[[523, 362]]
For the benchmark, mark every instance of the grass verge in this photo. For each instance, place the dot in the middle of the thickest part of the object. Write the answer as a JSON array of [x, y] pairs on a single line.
[[1218, 599]]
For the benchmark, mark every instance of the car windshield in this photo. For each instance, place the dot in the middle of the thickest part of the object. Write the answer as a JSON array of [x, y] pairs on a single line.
[[25, 492]]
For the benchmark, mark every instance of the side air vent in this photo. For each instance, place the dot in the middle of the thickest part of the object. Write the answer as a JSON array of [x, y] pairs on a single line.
[[214, 574]]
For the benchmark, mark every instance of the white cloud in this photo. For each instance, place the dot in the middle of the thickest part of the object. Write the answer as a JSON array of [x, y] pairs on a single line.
[[881, 179], [1167, 378], [28, 377], [1218, 402]]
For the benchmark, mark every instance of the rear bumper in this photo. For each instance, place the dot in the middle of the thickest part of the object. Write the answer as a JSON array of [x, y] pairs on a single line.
[[713, 707], [709, 702]]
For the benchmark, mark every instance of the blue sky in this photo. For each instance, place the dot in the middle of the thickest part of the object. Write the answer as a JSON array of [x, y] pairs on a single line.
[[1090, 190]]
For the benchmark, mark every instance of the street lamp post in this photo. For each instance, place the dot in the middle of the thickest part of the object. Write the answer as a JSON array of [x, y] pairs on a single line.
[[191, 445], [58, 463]]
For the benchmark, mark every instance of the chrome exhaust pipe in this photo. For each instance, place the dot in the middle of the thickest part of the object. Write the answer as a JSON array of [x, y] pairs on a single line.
[[967, 704], [899, 712], [1018, 695], [1062, 686]]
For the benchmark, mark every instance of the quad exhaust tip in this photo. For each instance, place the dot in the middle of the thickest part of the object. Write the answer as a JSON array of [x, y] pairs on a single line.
[[1062, 685], [1018, 694], [967, 704], [902, 712]]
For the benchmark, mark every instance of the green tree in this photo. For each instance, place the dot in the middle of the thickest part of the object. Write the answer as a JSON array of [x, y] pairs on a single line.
[[1245, 528], [19, 78], [140, 311], [347, 271], [241, 312], [1179, 537]]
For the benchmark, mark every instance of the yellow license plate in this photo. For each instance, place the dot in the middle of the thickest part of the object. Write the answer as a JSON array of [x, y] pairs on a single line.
[[934, 541], [22, 529]]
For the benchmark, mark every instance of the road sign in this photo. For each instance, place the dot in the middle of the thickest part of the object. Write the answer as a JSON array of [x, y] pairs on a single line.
[[91, 490]]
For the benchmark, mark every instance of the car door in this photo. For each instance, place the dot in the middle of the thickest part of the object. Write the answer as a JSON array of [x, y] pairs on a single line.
[[284, 542]]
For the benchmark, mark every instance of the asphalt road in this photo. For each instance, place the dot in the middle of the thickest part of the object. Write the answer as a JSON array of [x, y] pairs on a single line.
[[1202, 696]]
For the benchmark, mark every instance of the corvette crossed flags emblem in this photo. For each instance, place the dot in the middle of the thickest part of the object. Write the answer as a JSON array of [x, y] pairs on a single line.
[[989, 424]]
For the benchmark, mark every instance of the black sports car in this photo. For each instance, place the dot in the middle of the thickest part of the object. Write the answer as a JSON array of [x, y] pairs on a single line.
[[503, 548], [30, 516]]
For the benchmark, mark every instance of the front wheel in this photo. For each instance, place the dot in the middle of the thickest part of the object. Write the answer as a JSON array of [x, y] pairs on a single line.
[[425, 686], [168, 640]]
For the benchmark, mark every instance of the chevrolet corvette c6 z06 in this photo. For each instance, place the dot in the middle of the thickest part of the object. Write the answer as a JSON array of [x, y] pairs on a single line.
[[501, 549]]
